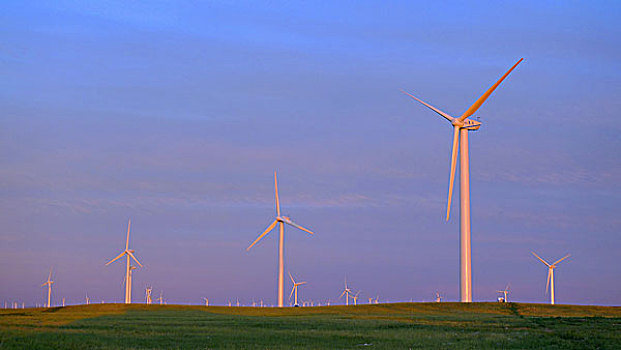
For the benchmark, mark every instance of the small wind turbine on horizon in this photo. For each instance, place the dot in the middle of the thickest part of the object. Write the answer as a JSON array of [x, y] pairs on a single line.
[[346, 292], [281, 220], [355, 297], [206, 301], [438, 298], [148, 295], [295, 290], [505, 293], [551, 267], [129, 255], [461, 126], [49, 287]]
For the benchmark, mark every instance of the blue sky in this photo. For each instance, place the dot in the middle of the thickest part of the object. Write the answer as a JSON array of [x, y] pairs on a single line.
[[176, 114]]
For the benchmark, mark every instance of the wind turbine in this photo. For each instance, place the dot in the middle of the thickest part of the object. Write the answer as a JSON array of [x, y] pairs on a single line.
[[461, 126], [160, 299], [438, 298], [346, 292], [88, 300], [281, 220], [49, 287], [355, 297], [148, 295], [550, 282], [206, 301], [129, 255], [505, 292], [295, 290]]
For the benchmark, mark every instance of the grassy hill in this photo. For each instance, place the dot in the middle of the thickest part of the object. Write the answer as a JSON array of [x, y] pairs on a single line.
[[383, 326]]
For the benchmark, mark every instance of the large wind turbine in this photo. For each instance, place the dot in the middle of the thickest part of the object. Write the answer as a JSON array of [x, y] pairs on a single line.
[[129, 255], [551, 267], [281, 220], [461, 126], [49, 287], [295, 289]]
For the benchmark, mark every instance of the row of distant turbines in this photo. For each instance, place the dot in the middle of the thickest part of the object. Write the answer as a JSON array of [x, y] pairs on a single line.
[[461, 126]]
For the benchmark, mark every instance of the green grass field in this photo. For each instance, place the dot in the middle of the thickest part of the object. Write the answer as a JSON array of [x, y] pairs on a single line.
[[383, 326]]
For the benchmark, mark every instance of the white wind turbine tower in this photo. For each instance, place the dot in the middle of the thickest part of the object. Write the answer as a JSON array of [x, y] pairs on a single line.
[[461, 126], [505, 292], [206, 301], [49, 287], [281, 220], [550, 282], [355, 297], [148, 295], [295, 290], [346, 292], [129, 255]]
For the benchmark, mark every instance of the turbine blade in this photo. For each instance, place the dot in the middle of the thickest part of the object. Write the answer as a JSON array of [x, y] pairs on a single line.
[[44, 284], [50, 275], [345, 291], [487, 93], [298, 226], [292, 289], [292, 280], [129, 224], [263, 234], [301, 283], [113, 260], [448, 117], [276, 190], [453, 164], [133, 257], [543, 261], [548, 282], [563, 258]]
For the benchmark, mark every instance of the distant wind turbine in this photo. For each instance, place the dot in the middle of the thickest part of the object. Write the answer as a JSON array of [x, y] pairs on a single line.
[[129, 255], [281, 220], [295, 289], [355, 297], [461, 126], [346, 292], [148, 295], [551, 267], [438, 298], [49, 287], [88, 300], [505, 292]]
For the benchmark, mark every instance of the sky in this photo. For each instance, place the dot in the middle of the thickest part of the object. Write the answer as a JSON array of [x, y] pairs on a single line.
[[176, 115]]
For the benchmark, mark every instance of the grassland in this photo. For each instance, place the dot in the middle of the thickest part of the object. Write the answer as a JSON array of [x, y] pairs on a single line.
[[383, 326]]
